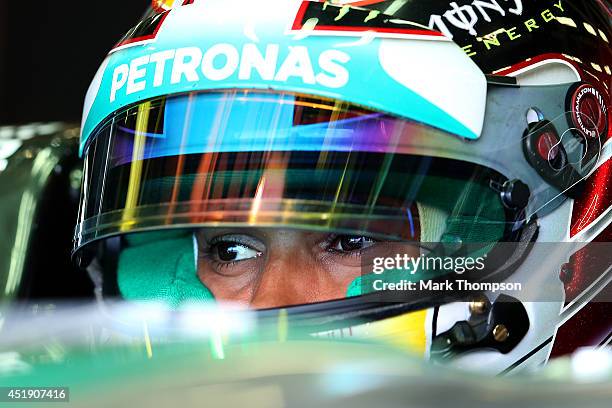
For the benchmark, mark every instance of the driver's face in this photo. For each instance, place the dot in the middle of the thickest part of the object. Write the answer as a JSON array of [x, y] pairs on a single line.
[[265, 268]]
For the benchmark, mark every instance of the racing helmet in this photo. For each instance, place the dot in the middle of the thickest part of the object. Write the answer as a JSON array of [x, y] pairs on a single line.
[[441, 201]]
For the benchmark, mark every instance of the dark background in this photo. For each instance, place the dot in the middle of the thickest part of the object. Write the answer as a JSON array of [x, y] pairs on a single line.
[[50, 51]]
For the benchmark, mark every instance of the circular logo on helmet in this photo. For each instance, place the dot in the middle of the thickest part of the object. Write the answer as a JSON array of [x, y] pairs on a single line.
[[588, 110]]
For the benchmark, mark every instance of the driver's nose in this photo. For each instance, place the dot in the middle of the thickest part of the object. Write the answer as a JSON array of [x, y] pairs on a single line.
[[293, 276]]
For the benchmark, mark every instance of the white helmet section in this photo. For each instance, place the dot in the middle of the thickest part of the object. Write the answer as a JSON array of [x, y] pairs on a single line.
[[452, 86], [245, 44]]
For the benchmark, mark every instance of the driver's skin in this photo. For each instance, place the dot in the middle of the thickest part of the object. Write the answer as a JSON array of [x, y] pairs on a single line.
[[267, 268]]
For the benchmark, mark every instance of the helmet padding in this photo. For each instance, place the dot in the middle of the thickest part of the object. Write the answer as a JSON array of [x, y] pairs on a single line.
[[160, 266]]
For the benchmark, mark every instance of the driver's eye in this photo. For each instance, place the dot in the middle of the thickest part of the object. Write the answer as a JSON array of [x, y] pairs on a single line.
[[351, 243], [233, 252]]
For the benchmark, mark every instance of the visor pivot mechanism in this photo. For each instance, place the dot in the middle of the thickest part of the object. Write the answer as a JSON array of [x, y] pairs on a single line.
[[479, 305], [500, 333], [500, 326], [514, 193], [552, 159]]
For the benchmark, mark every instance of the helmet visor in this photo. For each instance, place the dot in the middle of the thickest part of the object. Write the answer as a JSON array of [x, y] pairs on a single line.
[[280, 160]]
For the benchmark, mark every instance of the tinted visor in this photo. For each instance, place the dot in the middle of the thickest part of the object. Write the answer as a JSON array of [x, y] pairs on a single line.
[[261, 159]]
